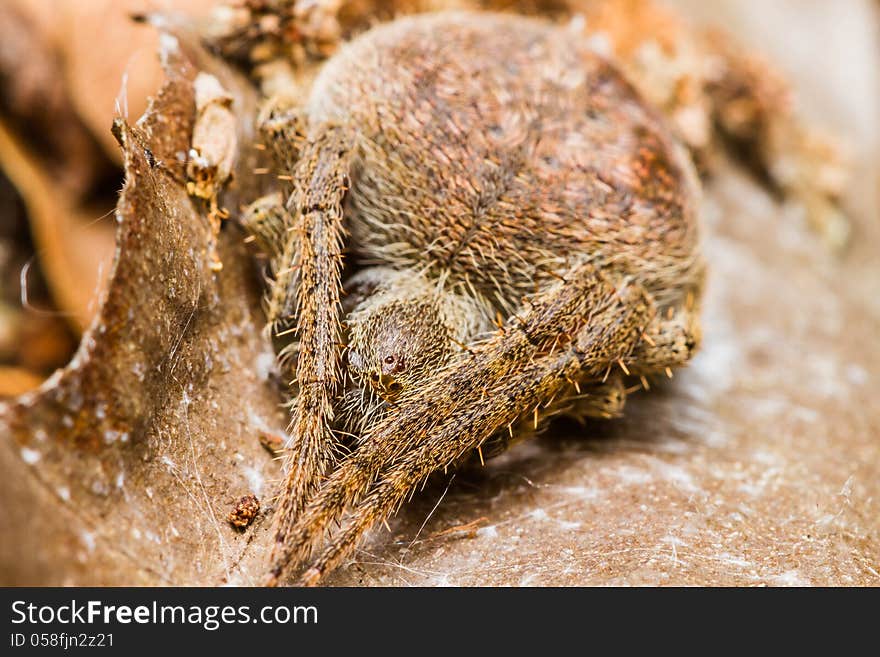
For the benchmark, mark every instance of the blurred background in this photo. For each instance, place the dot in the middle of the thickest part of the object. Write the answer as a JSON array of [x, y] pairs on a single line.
[[66, 69]]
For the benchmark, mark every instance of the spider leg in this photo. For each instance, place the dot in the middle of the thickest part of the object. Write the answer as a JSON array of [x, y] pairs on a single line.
[[599, 400], [578, 327], [266, 222], [752, 107], [269, 223], [603, 400], [284, 127], [669, 342], [315, 251]]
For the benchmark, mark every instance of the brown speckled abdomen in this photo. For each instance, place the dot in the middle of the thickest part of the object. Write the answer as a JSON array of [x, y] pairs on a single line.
[[501, 148]]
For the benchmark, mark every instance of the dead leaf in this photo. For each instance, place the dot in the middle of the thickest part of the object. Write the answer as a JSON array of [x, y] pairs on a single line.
[[131, 482]]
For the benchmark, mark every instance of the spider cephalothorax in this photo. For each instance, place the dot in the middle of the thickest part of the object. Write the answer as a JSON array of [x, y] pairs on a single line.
[[526, 228], [404, 327], [401, 328]]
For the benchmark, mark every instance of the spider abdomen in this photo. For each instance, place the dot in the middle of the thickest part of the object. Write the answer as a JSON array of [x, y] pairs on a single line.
[[499, 148]]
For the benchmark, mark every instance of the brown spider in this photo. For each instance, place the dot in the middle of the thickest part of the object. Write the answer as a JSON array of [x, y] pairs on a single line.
[[524, 228]]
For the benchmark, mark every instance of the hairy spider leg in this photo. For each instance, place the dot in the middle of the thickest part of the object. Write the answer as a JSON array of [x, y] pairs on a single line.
[[669, 342], [321, 178], [269, 219], [271, 227], [266, 222]]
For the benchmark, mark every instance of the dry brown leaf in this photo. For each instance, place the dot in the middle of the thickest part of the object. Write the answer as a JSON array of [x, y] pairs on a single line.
[[124, 466]]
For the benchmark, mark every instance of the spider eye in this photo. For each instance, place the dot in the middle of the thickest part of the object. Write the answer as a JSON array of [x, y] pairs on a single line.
[[389, 360], [374, 377]]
